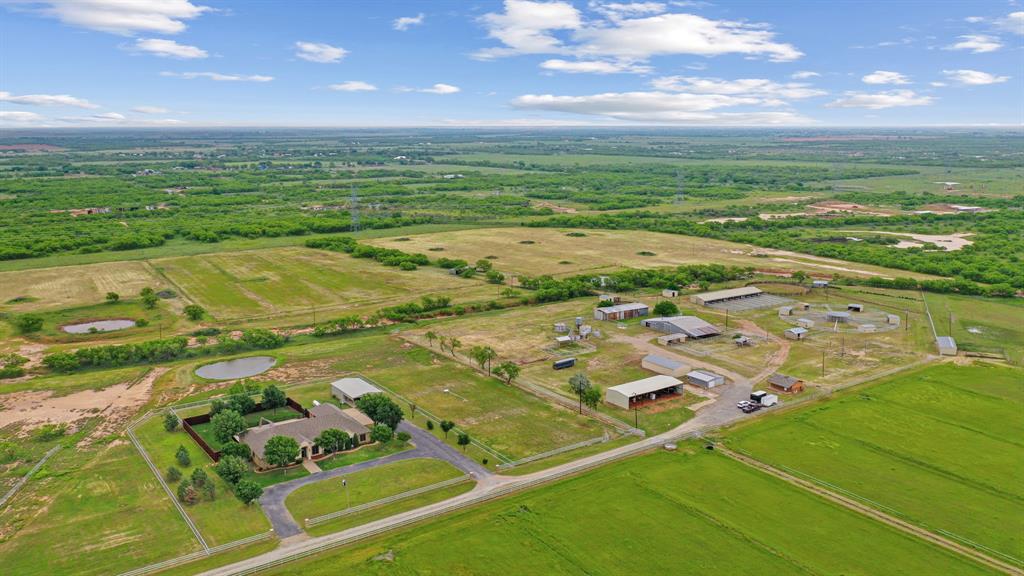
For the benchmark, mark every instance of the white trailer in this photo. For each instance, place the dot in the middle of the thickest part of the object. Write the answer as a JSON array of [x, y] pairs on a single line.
[[769, 400]]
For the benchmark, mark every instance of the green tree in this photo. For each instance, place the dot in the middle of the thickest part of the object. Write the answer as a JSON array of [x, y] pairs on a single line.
[[194, 312], [236, 449], [463, 440], [149, 298], [484, 265], [494, 277], [226, 424], [666, 308], [273, 397], [592, 397], [62, 362], [171, 421], [242, 403], [332, 440], [247, 491], [447, 426], [579, 384], [231, 469], [381, 433], [281, 451], [27, 323], [800, 276], [173, 474], [187, 493], [113, 297], [507, 371], [380, 409], [403, 436], [454, 343], [183, 457], [431, 336], [209, 491], [199, 478]]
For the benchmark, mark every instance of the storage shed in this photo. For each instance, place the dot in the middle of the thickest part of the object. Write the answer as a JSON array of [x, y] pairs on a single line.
[[704, 379], [662, 365], [691, 326], [947, 346], [709, 298], [842, 317], [669, 293], [639, 392], [892, 319], [350, 390], [855, 307], [795, 333], [805, 322], [819, 283], [622, 311]]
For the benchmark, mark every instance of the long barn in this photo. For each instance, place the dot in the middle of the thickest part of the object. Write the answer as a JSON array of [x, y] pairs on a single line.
[[720, 296]]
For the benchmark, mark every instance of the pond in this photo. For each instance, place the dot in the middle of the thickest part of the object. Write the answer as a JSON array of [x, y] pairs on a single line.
[[237, 368], [99, 325]]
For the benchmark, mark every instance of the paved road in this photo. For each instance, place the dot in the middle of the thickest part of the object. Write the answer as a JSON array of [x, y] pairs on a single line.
[[427, 446]]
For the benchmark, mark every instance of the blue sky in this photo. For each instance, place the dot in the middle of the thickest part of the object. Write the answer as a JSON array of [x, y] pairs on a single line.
[[512, 62]]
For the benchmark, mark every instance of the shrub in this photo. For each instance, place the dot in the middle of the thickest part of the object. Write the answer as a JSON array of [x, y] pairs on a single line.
[[407, 266], [666, 308], [237, 450], [381, 433], [48, 432], [27, 323], [403, 436], [231, 469], [173, 474], [430, 424], [11, 372], [247, 491], [171, 421], [142, 322], [182, 457]]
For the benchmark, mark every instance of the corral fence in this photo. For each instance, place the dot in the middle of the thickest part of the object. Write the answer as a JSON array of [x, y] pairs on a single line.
[[555, 452], [310, 522], [157, 567], [21, 481]]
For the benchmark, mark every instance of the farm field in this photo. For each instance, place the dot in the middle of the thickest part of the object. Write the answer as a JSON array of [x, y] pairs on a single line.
[[939, 446], [981, 324], [724, 518], [266, 282], [66, 287], [96, 512], [328, 496], [555, 253]]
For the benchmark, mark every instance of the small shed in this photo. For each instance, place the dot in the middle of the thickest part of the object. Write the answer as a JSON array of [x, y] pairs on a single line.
[[350, 390], [892, 319], [819, 283], [947, 346], [805, 322], [786, 311], [841, 317], [867, 328], [704, 379], [563, 340], [802, 306], [670, 293], [622, 311], [662, 365], [855, 307], [786, 384], [795, 333], [640, 391], [561, 327], [742, 341]]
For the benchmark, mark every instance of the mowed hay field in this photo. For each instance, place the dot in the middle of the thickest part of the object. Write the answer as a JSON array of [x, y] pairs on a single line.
[[263, 282], [942, 446], [74, 285], [104, 513], [555, 253], [694, 512]]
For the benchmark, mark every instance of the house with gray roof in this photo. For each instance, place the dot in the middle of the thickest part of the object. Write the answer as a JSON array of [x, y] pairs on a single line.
[[304, 431]]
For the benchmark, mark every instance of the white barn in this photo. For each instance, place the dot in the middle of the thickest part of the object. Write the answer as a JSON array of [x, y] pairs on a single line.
[[350, 390], [626, 395]]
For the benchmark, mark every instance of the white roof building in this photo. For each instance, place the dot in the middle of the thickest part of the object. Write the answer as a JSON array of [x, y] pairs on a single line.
[[625, 394], [351, 389]]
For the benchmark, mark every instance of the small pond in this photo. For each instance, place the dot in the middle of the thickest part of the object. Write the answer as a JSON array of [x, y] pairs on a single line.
[[237, 368], [99, 325]]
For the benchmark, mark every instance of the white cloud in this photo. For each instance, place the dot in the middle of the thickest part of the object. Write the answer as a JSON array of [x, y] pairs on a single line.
[[319, 52], [46, 100], [885, 77], [976, 43], [1013, 22], [593, 66], [20, 117], [974, 77], [803, 75], [752, 87], [974, 19], [125, 17], [438, 88], [406, 22], [526, 27], [659, 107], [169, 49], [620, 9], [880, 100], [352, 86], [217, 76], [150, 110], [937, 84], [117, 119]]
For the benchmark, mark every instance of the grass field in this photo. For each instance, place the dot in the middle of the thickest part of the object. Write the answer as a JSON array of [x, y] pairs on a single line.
[[328, 496], [557, 254], [235, 285], [76, 286], [64, 384], [981, 324], [941, 446], [222, 520], [667, 513], [91, 512], [161, 320]]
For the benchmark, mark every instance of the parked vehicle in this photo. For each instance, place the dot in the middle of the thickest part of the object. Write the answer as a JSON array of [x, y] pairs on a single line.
[[564, 363], [769, 400]]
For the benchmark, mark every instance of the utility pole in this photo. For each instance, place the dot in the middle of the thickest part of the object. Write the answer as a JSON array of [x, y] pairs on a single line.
[[348, 502], [823, 363], [636, 417], [314, 314], [726, 318]]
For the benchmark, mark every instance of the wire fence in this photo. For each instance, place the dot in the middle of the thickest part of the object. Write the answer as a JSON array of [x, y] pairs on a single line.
[[157, 567], [310, 522], [555, 452], [21, 482]]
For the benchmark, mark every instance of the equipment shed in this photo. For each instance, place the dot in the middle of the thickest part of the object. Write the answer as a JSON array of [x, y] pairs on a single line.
[[663, 365], [638, 392], [350, 390]]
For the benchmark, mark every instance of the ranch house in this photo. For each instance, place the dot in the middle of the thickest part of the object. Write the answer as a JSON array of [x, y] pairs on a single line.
[[786, 384], [305, 431]]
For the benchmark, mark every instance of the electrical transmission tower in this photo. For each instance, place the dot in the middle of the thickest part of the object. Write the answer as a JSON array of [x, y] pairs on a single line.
[[353, 209]]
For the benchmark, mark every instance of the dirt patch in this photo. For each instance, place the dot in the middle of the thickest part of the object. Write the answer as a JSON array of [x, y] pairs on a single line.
[[300, 371], [947, 242], [555, 207]]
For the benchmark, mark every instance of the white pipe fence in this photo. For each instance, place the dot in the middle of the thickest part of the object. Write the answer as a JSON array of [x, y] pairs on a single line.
[[310, 522]]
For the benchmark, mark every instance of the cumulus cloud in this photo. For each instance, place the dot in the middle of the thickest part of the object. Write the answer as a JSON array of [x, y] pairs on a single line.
[[804, 75], [974, 77], [1013, 22], [117, 119], [20, 117], [406, 22], [168, 49], [881, 100], [150, 110], [218, 77], [660, 107], [319, 52], [527, 27], [767, 90], [976, 43], [438, 88], [46, 100], [620, 9], [125, 17], [352, 86], [593, 66], [885, 77]]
